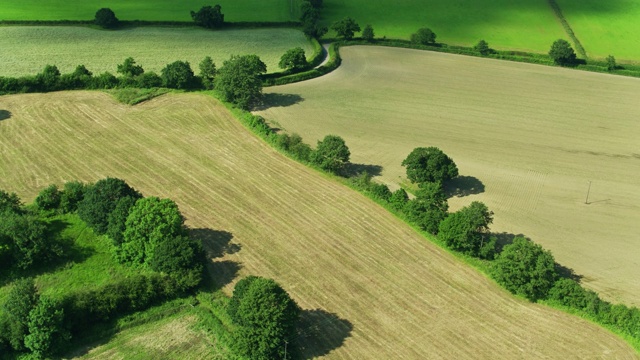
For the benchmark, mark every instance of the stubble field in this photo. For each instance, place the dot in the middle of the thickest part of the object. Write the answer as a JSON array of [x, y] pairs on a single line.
[[27, 49], [375, 288], [526, 138]]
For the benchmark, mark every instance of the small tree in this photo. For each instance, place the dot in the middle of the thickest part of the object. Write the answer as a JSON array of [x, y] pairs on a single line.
[[467, 231], [48, 198], [10, 202], [429, 165], [178, 75], [562, 53], [367, 33], [27, 241], [99, 201], [207, 72], [611, 63], [482, 47], [209, 17], [423, 36], [238, 80], [398, 199], [293, 59], [346, 28], [49, 78], [129, 68], [22, 298], [181, 258], [526, 269], [46, 328], [429, 207], [72, 194], [332, 154], [106, 18]]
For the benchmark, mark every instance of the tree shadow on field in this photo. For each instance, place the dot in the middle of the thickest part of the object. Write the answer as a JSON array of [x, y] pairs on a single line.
[[463, 186], [278, 100], [568, 273], [356, 169], [217, 243], [319, 332], [5, 114], [503, 239]]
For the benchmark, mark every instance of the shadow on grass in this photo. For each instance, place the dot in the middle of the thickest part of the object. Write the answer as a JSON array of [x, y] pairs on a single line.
[[568, 273], [320, 332], [217, 244], [5, 114], [503, 239], [353, 170], [463, 186], [278, 100]]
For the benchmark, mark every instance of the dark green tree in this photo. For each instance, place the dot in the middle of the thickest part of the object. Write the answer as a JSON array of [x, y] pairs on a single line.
[[209, 17], [72, 194], [117, 219], [81, 70], [428, 208], [106, 18], [331, 154], [482, 47], [49, 198], [10, 202], [611, 63], [129, 68], [429, 165], [467, 231], [25, 239], [399, 199], [265, 317], [208, 72], [562, 53], [178, 75], [238, 80], [181, 258], [316, 3], [310, 15], [22, 298], [49, 78], [46, 329], [99, 201], [569, 293], [368, 34], [423, 36], [346, 28], [526, 269], [293, 59]]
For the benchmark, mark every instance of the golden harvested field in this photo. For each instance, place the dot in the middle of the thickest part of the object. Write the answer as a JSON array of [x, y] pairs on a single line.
[[371, 287], [534, 136]]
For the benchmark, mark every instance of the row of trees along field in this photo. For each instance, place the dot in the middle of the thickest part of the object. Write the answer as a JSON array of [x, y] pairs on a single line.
[[147, 235]]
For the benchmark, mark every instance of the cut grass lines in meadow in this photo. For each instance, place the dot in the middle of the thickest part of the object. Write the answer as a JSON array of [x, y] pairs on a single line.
[[27, 49], [331, 248]]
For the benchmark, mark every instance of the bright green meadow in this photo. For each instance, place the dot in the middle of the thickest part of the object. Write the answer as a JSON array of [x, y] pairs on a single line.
[[27, 49], [159, 10]]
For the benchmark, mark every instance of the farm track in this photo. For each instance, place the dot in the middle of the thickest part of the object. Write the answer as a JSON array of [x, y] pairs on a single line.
[[391, 293]]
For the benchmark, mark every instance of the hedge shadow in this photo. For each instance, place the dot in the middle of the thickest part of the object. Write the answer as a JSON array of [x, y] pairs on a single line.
[[320, 332]]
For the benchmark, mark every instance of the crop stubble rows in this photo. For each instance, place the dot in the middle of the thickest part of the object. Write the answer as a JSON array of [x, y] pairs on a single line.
[[330, 247]]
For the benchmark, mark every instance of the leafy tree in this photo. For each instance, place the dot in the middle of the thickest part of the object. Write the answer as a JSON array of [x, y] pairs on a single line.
[[429, 165], [106, 18], [367, 33], [526, 269], [181, 258], [72, 194], [49, 198], [117, 219], [611, 63], [46, 329], [482, 47], [569, 293], [81, 70], [238, 80], [178, 75], [151, 221], [429, 207], [314, 30], [265, 316], [346, 28], [49, 78], [25, 237], [423, 36], [209, 17], [562, 53], [207, 72], [22, 298], [149, 80], [467, 231], [381, 191], [293, 59], [99, 201], [332, 154], [129, 68], [10, 202], [398, 199], [106, 80]]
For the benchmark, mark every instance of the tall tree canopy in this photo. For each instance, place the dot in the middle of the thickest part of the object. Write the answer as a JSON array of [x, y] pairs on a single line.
[[209, 16], [429, 165], [238, 80], [332, 154], [467, 231], [100, 199], [562, 53], [346, 28]]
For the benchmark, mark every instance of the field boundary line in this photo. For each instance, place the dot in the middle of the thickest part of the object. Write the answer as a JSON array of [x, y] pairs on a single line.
[[567, 28]]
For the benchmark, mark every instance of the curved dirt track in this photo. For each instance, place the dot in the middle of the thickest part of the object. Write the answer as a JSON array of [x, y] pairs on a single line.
[[385, 292]]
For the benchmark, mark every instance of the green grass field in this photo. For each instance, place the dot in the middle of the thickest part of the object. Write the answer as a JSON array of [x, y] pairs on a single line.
[[27, 49], [161, 10], [606, 27]]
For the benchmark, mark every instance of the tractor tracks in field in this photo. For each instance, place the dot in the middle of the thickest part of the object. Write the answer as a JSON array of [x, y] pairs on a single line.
[[567, 28]]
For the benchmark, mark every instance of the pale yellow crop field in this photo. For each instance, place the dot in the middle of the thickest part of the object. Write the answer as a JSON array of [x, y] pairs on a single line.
[[383, 290], [533, 135]]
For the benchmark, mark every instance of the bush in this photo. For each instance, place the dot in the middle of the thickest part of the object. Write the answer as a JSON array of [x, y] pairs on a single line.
[[117, 219], [72, 194], [22, 298], [293, 59], [423, 36], [100, 199], [207, 72], [367, 33], [331, 154], [129, 68], [611, 63], [105, 80], [567, 292], [209, 17], [399, 199], [181, 258], [46, 329], [482, 47], [429, 165], [49, 198], [562, 53], [178, 75], [106, 18], [380, 191], [25, 240], [238, 80], [467, 231], [10, 202], [148, 80], [346, 28]]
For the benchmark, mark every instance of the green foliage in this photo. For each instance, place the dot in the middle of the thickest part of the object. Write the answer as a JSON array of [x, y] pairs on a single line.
[[265, 316], [46, 330], [310, 15], [181, 258], [178, 75], [294, 145], [380, 191], [611, 63], [238, 80], [367, 33], [293, 59], [424, 36], [24, 238], [429, 207], [526, 269], [482, 47], [467, 231], [209, 17], [568, 293], [72, 194], [429, 165], [106, 80], [117, 219], [331, 154], [129, 68], [562, 53], [399, 199], [48, 79], [10, 202], [22, 298], [346, 28], [99, 201], [207, 72], [49, 198], [106, 18]]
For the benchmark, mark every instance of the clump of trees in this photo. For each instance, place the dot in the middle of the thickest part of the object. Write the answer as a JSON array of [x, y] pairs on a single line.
[[238, 80], [424, 36], [310, 16], [562, 53], [346, 28], [467, 231], [106, 19], [209, 17], [293, 59]]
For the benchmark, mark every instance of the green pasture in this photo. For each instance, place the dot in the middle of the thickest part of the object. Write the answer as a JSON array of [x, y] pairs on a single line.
[[27, 49], [528, 25], [159, 10], [606, 27]]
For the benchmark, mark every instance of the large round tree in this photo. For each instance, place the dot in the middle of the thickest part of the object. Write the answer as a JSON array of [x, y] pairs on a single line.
[[429, 165], [562, 53], [238, 80]]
